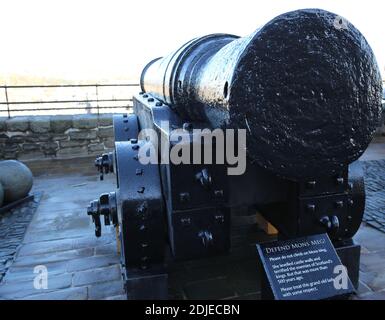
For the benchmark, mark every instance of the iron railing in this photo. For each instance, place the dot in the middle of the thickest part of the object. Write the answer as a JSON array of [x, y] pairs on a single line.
[[73, 98]]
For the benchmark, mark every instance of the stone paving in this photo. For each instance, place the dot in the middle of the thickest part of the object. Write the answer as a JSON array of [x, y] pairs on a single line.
[[61, 237], [81, 266], [13, 225]]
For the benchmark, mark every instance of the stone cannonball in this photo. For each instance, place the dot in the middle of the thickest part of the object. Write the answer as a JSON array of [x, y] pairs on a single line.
[[16, 179]]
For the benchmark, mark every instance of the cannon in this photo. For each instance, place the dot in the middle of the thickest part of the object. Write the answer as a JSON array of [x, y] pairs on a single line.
[[302, 95]]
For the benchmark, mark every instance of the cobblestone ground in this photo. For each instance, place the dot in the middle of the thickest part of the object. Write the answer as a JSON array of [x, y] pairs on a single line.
[[81, 266], [61, 238], [375, 194], [13, 225]]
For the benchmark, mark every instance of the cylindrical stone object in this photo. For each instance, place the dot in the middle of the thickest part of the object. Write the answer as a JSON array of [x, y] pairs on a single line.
[[306, 87], [16, 179]]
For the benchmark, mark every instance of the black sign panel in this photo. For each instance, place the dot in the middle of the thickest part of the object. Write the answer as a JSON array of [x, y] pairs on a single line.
[[305, 268]]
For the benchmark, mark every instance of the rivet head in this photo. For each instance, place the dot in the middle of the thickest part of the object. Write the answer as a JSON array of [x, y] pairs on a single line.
[[184, 197], [218, 193], [339, 204], [145, 96], [310, 207], [340, 181], [150, 99], [311, 184], [135, 147], [159, 104], [185, 222], [141, 190]]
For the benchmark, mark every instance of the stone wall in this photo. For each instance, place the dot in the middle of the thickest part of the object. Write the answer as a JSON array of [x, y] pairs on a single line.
[[67, 136]]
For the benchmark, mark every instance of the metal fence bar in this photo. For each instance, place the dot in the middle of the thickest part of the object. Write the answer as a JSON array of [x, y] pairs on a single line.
[[6, 99], [9, 104], [66, 101], [71, 108], [70, 85]]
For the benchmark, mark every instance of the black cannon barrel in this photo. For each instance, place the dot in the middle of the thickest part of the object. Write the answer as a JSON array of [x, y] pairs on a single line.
[[305, 86]]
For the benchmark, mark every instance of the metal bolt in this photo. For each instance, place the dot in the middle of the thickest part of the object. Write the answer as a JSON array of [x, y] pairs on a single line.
[[136, 157], [185, 222], [220, 218], [141, 92], [126, 129], [339, 204], [159, 104], [350, 202], [150, 99], [145, 96], [134, 141], [350, 217], [340, 181], [135, 147], [311, 184], [184, 197], [141, 190], [139, 172], [125, 115], [144, 245], [142, 227], [218, 193], [310, 207]]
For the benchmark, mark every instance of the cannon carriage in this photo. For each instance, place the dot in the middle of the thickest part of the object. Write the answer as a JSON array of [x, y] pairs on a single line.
[[306, 94]]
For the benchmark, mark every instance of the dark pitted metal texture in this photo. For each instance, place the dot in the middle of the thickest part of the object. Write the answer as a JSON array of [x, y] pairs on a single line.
[[306, 87]]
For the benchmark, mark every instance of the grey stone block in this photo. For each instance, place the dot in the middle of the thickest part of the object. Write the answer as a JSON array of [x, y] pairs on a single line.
[[18, 124], [17, 139], [92, 262], [40, 124], [106, 289], [109, 143], [75, 151], [59, 137], [76, 134], [105, 120], [30, 155], [105, 132], [93, 147], [31, 146], [61, 123], [85, 121], [53, 257], [35, 137], [80, 293], [22, 289], [106, 249], [73, 143], [93, 276]]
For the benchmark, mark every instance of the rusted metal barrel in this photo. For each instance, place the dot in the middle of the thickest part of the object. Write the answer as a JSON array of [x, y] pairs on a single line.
[[305, 86]]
